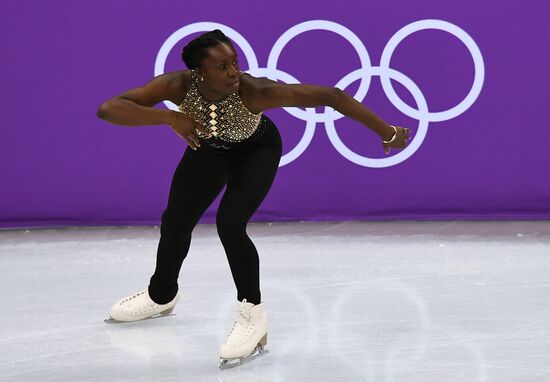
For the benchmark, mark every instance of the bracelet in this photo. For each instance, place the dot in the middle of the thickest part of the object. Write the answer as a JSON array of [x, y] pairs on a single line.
[[394, 136]]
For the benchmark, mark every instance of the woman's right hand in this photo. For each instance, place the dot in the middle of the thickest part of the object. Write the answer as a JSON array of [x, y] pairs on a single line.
[[401, 139], [187, 128]]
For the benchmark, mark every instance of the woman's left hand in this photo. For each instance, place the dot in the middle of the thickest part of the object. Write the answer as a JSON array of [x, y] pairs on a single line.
[[401, 140]]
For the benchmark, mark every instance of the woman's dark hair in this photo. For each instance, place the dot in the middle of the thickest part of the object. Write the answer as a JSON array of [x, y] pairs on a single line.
[[197, 50]]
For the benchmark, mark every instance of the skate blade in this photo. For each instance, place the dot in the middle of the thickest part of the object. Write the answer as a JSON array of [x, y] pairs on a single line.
[[110, 320], [234, 362]]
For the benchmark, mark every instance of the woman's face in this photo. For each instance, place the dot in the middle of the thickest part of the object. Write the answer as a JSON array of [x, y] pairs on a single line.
[[220, 69]]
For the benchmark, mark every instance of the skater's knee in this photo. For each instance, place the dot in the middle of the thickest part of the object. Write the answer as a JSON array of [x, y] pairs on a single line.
[[174, 225], [230, 225]]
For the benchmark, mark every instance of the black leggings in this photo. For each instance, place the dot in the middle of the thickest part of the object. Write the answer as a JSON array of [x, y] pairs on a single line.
[[247, 169]]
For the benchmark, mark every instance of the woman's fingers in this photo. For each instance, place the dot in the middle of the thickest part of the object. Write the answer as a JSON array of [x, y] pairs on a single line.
[[188, 130], [190, 142], [402, 141], [203, 129], [406, 137], [195, 139]]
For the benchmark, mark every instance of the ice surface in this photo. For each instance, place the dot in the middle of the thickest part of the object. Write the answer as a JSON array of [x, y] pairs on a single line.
[[392, 301]]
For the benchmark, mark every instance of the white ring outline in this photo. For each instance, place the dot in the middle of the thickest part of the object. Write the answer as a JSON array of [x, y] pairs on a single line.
[[479, 72], [352, 290], [402, 155], [312, 25]]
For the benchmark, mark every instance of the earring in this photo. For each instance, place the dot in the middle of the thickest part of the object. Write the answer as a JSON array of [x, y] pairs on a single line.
[[202, 79]]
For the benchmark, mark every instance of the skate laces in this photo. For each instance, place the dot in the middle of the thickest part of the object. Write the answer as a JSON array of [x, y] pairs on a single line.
[[245, 311], [241, 327], [136, 299]]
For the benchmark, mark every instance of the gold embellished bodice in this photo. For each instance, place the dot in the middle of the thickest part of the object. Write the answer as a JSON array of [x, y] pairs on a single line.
[[228, 119]]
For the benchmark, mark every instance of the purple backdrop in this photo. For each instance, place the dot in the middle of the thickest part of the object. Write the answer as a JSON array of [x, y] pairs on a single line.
[[60, 165]]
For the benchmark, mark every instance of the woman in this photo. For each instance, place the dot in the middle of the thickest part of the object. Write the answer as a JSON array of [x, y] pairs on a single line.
[[234, 145]]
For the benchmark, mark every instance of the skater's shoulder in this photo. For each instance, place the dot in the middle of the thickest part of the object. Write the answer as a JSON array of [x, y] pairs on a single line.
[[253, 83], [256, 92], [178, 83]]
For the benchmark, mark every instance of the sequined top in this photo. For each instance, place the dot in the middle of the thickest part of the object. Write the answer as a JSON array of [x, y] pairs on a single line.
[[228, 119]]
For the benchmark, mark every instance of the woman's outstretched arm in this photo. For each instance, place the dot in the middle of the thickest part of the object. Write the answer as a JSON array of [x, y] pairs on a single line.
[[272, 94]]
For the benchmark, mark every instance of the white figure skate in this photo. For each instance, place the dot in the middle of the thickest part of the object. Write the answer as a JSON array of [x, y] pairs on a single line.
[[248, 337], [139, 306]]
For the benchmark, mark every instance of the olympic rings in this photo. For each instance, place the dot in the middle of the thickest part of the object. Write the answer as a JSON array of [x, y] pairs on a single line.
[[363, 74]]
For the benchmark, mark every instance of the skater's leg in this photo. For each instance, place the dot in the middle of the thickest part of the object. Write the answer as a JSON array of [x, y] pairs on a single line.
[[198, 179], [249, 181]]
